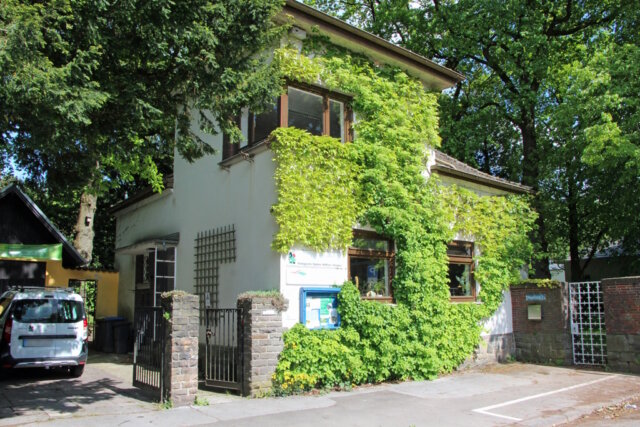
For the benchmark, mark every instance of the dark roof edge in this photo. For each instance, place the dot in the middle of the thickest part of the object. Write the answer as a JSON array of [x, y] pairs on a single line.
[[449, 166], [147, 192], [15, 189], [447, 73]]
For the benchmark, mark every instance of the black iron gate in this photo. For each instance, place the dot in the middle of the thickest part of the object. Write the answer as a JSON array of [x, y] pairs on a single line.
[[148, 350], [589, 336], [224, 361]]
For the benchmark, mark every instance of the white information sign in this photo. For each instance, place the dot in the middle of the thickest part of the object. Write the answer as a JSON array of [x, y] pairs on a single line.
[[308, 268]]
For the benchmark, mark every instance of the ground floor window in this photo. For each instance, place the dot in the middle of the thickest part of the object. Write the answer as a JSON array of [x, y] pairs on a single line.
[[461, 284], [371, 265]]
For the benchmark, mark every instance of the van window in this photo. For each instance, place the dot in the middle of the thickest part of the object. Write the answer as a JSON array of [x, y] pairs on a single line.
[[34, 311], [69, 311]]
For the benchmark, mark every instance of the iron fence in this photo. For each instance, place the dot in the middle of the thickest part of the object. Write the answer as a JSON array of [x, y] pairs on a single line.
[[148, 350], [224, 361]]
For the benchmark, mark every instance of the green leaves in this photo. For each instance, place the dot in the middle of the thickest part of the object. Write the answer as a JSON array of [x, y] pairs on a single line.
[[91, 79], [325, 187], [316, 178]]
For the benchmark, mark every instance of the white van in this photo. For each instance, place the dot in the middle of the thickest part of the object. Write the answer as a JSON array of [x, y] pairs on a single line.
[[43, 327]]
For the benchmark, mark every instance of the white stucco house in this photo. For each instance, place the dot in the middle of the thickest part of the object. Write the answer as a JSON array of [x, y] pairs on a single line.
[[210, 231]]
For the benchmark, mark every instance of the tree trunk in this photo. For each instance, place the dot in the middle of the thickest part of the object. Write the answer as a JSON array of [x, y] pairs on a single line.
[[84, 225], [530, 177], [574, 243]]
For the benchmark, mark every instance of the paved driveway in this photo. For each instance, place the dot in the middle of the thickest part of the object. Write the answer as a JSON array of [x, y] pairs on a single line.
[[38, 395], [499, 395]]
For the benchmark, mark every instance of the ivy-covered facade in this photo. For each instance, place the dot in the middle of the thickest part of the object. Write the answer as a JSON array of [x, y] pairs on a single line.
[[340, 184]]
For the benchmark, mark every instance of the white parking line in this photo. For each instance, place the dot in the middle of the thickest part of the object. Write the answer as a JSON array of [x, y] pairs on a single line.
[[485, 410]]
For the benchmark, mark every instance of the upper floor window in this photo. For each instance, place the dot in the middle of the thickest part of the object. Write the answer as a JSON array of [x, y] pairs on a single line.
[[314, 109], [461, 284]]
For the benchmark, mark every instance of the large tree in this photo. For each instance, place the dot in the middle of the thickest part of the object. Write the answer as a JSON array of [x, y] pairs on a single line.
[[93, 91], [511, 52]]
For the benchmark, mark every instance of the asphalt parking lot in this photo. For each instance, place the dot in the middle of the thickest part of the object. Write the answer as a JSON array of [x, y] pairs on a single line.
[[497, 395]]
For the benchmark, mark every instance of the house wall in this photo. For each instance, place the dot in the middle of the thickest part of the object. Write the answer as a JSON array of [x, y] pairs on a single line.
[[497, 331], [107, 282], [206, 196]]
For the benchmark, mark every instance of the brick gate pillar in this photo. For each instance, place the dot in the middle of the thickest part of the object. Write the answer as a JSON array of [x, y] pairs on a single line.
[[181, 347], [262, 330]]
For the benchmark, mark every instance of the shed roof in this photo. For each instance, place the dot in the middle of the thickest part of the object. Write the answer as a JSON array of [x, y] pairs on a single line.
[[70, 255]]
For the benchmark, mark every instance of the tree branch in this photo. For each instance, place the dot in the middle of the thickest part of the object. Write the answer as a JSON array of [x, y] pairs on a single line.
[[594, 248]]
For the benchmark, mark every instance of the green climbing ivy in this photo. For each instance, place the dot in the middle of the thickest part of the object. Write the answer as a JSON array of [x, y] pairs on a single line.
[[316, 182], [378, 180]]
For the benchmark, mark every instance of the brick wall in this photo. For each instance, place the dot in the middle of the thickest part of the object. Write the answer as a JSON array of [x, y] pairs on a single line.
[[546, 340], [262, 325], [622, 319], [181, 347]]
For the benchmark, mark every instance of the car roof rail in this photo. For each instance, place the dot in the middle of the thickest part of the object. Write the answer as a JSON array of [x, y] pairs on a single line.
[[21, 288]]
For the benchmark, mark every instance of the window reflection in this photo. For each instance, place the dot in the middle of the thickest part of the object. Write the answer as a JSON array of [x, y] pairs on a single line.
[[371, 275], [264, 123], [336, 119], [305, 111]]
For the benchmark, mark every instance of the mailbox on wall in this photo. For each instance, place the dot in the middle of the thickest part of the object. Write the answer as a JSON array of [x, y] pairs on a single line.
[[319, 308], [534, 312]]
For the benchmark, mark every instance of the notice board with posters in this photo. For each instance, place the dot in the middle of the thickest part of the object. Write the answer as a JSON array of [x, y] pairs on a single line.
[[319, 308]]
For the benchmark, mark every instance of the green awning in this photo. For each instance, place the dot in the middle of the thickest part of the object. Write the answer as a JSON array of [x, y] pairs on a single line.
[[40, 252]]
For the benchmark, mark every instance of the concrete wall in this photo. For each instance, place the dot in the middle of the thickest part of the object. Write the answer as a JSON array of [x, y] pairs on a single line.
[[621, 298], [546, 340]]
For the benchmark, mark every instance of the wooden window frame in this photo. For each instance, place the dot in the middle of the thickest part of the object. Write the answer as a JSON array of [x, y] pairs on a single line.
[[229, 150], [466, 260], [326, 94], [389, 255]]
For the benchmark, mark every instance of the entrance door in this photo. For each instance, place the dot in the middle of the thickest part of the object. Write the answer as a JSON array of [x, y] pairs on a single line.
[[588, 331]]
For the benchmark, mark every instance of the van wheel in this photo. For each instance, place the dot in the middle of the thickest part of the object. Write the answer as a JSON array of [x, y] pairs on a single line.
[[76, 371]]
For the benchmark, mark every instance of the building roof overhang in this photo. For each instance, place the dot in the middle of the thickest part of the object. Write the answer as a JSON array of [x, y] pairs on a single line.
[[448, 166], [434, 75], [139, 247]]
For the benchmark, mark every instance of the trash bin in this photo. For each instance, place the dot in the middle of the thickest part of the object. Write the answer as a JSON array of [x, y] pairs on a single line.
[[98, 335], [121, 336], [104, 340]]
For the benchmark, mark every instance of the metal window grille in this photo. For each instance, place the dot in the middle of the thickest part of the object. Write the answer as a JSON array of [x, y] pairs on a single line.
[[212, 247], [588, 331]]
